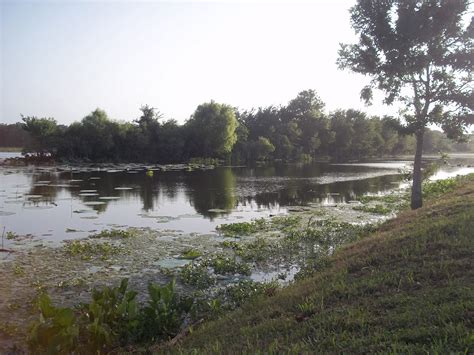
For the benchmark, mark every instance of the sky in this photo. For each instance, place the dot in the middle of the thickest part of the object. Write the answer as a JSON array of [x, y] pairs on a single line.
[[63, 59]]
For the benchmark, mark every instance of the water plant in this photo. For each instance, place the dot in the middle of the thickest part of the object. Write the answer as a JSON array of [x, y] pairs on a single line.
[[436, 188], [225, 265], [114, 233], [197, 275], [11, 235], [87, 249], [243, 228], [112, 318], [190, 254], [377, 209]]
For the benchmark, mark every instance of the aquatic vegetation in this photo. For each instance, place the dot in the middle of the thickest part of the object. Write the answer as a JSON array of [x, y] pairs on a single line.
[[225, 265], [114, 233], [87, 249], [164, 314], [190, 254], [56, 331], [19, 270], [286, 223], [435, 188], [232, 245], [243, 228], [258, 250], [113, 317], [196, 275], [11, 235], [389, 198], [377, 209]]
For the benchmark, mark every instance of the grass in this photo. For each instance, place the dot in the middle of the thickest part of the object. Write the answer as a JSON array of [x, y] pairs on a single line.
[[406, 288]]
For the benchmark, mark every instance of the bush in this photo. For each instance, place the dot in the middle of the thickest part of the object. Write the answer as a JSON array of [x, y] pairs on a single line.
[[113, 317]]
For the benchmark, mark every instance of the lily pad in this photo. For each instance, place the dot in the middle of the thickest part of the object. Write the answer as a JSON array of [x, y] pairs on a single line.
[[94, 203], [6, 213], [83, 211]]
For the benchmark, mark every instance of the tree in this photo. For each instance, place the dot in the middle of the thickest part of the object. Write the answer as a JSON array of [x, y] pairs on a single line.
[[212, 130], [44, 133], [418, 52]]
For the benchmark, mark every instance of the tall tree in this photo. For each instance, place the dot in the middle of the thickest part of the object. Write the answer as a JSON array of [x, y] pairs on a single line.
[[418, 52], [212, 130]]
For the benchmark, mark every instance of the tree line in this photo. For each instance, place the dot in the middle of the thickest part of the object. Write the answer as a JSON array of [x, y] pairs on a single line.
[[298, 131]]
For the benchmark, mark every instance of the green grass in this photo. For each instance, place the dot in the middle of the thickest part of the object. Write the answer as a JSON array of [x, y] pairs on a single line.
[[406, 288]]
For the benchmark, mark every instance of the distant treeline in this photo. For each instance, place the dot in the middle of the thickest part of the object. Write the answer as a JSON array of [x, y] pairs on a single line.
[[298, 131]]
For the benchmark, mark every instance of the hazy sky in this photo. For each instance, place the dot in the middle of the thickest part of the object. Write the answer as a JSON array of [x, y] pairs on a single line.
[[64, 59]]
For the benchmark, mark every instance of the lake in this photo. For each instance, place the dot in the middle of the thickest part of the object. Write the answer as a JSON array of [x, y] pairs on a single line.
[[65, 202]]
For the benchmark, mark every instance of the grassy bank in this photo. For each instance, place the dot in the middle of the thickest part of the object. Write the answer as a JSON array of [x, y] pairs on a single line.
[[408, 288]]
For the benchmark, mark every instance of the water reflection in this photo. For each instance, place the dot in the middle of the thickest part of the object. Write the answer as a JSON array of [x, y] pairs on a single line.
[[213, 192], [53, 200]]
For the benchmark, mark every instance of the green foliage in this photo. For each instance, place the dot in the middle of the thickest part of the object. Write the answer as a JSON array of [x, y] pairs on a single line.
[[212, 130], [113, 317], [225, 265], [114, 233], [299, 131], [196, 274], [242, 228], [190, 254], [436, 188], [88, 249], [163, 315], [11, 235], [56, 331], [418, 53], [258, 250], [44, 134], [237, 294]]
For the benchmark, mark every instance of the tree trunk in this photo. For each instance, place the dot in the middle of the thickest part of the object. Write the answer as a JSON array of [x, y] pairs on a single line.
[[416, 193]]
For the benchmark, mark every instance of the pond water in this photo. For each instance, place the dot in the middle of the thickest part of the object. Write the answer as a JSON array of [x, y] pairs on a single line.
[[61, 202]]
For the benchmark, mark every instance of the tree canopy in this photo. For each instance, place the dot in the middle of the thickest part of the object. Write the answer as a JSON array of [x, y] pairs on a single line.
[[420, 53]]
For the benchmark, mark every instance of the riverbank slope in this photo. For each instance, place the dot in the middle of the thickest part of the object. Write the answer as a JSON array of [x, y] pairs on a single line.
[[409, 287]]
